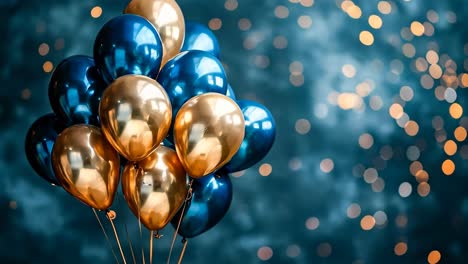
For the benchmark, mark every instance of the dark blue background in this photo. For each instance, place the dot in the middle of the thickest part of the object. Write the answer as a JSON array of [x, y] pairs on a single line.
[[42, 224]]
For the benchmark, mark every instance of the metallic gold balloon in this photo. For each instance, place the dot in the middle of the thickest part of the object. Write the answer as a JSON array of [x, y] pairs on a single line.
[[86, 165], [208, 131], [135, 114], [155, 187], [168, 19]]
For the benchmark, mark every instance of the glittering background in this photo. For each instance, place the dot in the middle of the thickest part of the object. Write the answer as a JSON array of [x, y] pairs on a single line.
[[370, 162]]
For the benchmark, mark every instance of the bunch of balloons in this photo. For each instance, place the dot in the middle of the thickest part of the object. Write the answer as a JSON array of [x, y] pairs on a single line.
[[160, 108]]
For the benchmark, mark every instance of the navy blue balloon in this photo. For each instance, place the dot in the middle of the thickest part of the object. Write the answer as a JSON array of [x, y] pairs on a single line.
[[260, 131], [75, 90], [128, 44], [230, 93], [199, 37], [211, 198], [190, 74], [39, 142]]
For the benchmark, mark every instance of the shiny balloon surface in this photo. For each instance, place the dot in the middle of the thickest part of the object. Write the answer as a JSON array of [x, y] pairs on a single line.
[[200, 37], [211, 199], [75, 90], [86, 165], [39, 142], [128, 44]]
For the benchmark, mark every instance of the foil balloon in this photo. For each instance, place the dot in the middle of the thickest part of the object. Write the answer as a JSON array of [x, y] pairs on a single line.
[[155, 187], [167, 18], [260, 131], [75, 90], [86, 165], [208, 131], [39, 142], [135, 115], [230, 93], [199, 37], [128, 44], [192, 73], [211, 199]]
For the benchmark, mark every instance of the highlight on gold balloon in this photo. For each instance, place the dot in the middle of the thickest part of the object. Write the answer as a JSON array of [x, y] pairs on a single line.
[[154, 118]]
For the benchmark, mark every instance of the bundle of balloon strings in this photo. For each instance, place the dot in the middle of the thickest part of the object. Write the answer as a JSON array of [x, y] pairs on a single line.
[[153, 107]]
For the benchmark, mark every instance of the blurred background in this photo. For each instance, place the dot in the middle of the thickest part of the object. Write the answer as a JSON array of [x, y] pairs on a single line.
[[370, 162]]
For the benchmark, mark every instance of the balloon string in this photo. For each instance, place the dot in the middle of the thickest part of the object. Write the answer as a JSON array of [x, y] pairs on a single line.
[[129, 241], [174, 237], [185, 241], [141, 238], [111, 216], [151, 246], [107, 237]]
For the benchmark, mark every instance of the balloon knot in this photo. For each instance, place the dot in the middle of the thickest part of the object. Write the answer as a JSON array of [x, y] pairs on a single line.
[[111, 215]]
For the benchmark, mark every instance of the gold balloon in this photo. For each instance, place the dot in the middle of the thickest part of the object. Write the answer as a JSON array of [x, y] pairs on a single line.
[[155, 187], [208, 131], [86, 165], [168, 19], [135, 114]]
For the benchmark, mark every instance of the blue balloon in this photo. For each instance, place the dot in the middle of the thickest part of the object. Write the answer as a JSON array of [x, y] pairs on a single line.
[[199, 37], [211, 198], [128, 44], [39, 142], [190, 74], [230, 93], [260, 131], [75, 90]]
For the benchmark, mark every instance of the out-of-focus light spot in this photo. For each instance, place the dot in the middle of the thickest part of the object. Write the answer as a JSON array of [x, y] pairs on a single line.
[[347, 101], [438, 123], [424, 189], [59, 44], [426, 81], [384, 7], [296, 80], [395, 111], [403, 120], [215, 24], [417, 28], [386, 152], [448, 167], [367, 222], [364, 89], [302, 126], [295, 164], [405, 34], [432, 57], [435, 71], [280, 42], [396, 67], [400, 248], [353, 211], [456, 111], [413, 153], [421, 64], [415, 167], [366, 38], [450, 95], [405, 189], [464, 79], [370, 175], [327, 165], [238, 174], [13, 205], [422, 176], [265, 253], [296, 68], [26, 94], [411, 128], [408, 50], [47, 66], [96, 12], [304, 22], [366, 141], [428, 29], [376, 103], [307, 3], [324, 250], [450, 147], [375, 21], [262, 61], [231, 5], [380, 218], [354, 11], [293, 251], [348, 70], [378, 185], [265, 169], [281, 11], [434, 257], [244, 24], [460, 133], [312, 223], [432, 16], [43, 49], [451, 17], [406, 93], [401, 221]]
